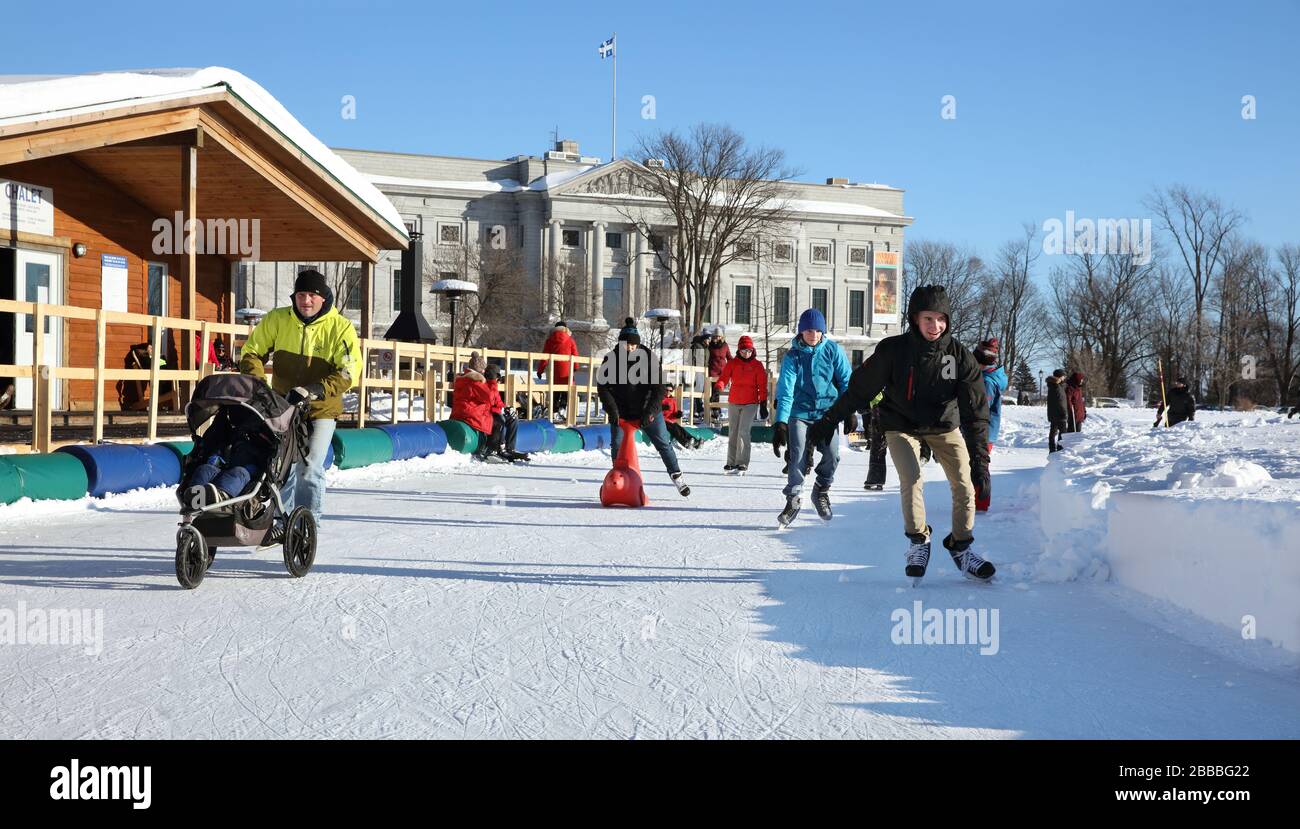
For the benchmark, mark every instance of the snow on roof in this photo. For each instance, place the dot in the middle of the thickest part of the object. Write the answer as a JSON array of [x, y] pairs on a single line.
[[27, 98], [505, 185], [810, 206]]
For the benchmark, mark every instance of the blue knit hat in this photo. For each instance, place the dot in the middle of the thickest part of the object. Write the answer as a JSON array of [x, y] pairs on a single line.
[[629, 334], [811, 320]]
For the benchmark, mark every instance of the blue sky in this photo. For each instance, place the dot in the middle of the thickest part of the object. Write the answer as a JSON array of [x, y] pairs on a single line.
[[1060, 106]]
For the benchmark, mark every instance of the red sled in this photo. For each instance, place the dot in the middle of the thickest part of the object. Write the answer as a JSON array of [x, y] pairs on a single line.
[[623, 486]]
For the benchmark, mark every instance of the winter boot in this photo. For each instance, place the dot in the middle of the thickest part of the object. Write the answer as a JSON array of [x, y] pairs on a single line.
[[821, 498], [967, 560], [729, 469], [790, 512], [741, 469]]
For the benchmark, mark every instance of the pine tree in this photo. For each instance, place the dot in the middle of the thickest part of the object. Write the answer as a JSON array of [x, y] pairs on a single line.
[[1024, 380]]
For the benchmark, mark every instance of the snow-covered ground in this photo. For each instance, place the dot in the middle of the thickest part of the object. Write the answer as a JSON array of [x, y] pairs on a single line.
[[458, 600]]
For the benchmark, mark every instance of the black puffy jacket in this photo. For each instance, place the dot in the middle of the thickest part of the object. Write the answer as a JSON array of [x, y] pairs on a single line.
[[930, 388], [629, 382], [1058, 408]]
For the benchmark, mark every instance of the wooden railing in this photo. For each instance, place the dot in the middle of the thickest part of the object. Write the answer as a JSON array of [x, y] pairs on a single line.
[[422, 372]]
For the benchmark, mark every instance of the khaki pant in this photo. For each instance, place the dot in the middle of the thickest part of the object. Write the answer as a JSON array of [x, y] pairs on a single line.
[[950, 451], [739, 420]]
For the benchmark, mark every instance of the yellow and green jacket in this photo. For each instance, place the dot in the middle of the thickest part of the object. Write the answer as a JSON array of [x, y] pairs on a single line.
[[326, 351]]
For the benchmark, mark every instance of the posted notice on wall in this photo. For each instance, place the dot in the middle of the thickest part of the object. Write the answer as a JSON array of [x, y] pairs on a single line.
[[27, 208], [112, 270]]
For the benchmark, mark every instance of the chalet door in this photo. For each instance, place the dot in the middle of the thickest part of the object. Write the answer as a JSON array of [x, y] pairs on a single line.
[[38, 277]]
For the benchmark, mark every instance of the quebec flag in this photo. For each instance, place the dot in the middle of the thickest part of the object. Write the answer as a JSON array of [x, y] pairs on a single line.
[[607, 49]]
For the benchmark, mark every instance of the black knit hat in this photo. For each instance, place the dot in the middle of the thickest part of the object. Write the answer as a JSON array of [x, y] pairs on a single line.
[[629, 334], [311, 281], [929, 298]]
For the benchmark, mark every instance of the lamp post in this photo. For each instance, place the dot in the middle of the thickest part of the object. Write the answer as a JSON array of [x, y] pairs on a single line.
[[1040, 382], [453, 289]]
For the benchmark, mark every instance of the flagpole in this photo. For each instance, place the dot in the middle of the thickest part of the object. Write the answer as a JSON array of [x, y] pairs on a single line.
[[613, 109]]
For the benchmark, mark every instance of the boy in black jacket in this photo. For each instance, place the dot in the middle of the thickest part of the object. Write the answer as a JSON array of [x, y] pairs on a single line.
[[934, 394]]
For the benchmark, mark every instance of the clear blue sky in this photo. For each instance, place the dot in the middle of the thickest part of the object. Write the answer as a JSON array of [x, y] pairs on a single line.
[[1060, 106]]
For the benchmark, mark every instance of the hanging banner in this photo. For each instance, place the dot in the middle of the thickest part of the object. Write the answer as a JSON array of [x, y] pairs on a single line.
[[885, 265]]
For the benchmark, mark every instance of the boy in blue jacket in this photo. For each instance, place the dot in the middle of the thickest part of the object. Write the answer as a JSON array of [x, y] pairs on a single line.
[[814, 373]]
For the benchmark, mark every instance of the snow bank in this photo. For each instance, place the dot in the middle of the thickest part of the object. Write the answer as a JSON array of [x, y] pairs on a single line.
[[1204, 515]]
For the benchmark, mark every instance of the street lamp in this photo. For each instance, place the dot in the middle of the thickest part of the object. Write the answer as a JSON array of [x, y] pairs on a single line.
[[1040, 382], [662, 316], [453, 289]]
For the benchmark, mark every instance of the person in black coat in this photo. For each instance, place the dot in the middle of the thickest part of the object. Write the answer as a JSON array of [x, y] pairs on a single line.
[[631, 387], [1058, 410], [1181, 404], [933, 395]]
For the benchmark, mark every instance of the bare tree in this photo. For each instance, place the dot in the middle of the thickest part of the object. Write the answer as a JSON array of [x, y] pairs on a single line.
[[1276, 297], [498, 313], [1199, 225], [1101, 317], [711, 191], [1010, 307]]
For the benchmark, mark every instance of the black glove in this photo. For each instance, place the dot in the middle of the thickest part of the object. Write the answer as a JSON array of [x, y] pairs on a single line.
[[851, 424], [780, 437], [822, 432], [298, 394], [980, 477], [762, 410]]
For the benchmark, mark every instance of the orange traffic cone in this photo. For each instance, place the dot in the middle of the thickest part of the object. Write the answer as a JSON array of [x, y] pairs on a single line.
[[623, 486]]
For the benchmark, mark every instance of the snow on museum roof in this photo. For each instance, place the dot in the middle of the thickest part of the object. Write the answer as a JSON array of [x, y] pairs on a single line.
[[27, 98]]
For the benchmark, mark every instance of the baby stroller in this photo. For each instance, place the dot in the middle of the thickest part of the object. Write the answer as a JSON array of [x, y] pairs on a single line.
[[263, 419]]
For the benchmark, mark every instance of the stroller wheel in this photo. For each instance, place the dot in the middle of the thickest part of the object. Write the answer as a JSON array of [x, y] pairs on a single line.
[[191, 557], [300, 542]]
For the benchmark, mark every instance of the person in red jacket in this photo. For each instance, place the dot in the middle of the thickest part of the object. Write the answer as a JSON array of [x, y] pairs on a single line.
[[672, 421], [505, 425], [719, 356], [748, 380], [472, 402], [559, 342], [1075, 408]]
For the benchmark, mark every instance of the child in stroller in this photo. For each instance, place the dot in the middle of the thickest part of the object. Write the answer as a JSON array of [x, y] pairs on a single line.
[[246, 439], [235, 446]]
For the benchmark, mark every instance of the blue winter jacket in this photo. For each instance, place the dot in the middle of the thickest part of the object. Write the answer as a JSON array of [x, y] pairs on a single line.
[[995, 383], [811, 380]]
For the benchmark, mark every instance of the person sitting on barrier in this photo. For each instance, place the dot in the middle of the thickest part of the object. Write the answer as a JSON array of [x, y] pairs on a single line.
[[505, 423], [472, 403], [672, 422], [237, 448]]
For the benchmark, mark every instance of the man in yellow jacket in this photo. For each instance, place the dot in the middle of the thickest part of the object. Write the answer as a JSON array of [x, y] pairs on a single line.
[[317, 357]]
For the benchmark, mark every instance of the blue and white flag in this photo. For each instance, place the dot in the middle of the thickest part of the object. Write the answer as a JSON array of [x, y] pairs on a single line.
[[607, 49]]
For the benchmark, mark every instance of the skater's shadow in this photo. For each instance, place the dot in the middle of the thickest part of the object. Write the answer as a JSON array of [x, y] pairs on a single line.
[[850, 618]]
